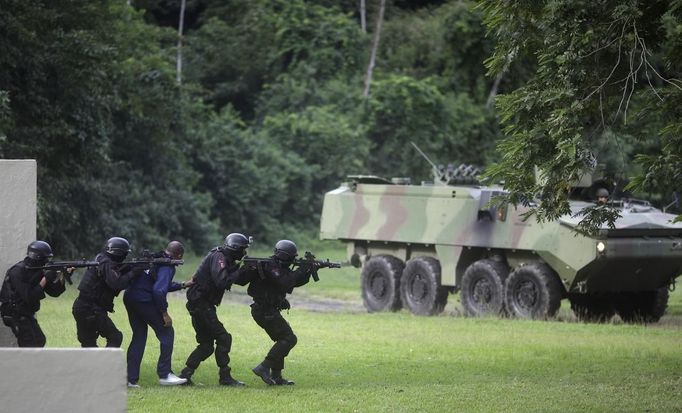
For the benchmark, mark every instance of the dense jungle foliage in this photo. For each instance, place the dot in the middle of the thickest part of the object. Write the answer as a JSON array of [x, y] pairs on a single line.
[[270, 113]]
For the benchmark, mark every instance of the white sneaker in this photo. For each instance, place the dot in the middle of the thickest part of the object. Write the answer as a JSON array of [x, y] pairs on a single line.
[[172, 380], [133, 385]]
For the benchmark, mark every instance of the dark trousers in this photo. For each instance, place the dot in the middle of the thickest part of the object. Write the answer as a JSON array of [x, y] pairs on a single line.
[[270, 320], [28, 332], [208, 330], [93, 322], [141, 315]]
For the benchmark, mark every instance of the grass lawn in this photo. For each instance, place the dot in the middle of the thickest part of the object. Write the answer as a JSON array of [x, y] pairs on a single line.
[[350, 361]]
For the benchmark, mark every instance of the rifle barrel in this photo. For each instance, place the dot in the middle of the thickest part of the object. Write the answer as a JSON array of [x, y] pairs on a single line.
[[151, 261], [66, 264]]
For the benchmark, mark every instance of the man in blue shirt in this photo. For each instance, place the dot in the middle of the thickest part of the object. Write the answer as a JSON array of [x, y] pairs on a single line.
[[145, 300]]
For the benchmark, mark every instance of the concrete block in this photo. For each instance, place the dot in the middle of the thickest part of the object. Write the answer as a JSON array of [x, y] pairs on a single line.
[[18, 186], [17, 209], [63, 380], [7, 338]]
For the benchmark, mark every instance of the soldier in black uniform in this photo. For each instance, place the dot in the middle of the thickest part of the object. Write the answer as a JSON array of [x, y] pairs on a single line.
[[98, 288], [214, 276], [22, 290], [268, 286]]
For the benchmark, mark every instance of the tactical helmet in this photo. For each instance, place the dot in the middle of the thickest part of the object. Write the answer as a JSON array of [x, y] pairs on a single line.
[[117, 247], [236, 242], [285, 250], [39, 250], [602, 192]]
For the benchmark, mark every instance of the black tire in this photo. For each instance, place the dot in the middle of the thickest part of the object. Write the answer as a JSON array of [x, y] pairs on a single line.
[[533, 291], [642, 306], [381, 283], [420, 288], [483, 288], [592, 308]]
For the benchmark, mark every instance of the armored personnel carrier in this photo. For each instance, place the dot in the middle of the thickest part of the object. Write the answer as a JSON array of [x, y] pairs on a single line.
[[416, 244]]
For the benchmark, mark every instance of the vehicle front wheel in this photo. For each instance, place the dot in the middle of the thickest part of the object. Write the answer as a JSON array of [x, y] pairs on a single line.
[[642, 306], [420, 287], [533, 291], [381, 283], [592, 308]]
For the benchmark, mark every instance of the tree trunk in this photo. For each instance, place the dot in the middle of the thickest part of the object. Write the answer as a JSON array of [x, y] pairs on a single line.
[[375, 46], [496, 84], [363, 16], [180, 27], [493, 90]]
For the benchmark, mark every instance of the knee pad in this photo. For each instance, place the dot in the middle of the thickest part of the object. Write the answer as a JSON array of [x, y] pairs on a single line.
[[206, 348], [115, 340], [291, 339], [40, 340], [224, 340], [88, 342]]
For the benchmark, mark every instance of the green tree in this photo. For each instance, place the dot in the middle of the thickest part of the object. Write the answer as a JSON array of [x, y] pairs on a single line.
[[331, 144], [402, 109], [255, 185], [600, 66], [235, 56], [92, 97]]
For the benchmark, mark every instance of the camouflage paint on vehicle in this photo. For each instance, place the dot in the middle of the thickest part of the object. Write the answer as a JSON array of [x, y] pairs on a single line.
[[456, 225]]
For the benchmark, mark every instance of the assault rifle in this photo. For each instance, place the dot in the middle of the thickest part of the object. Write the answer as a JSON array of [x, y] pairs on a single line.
[[149, 260], [61, 266], [307, 261]]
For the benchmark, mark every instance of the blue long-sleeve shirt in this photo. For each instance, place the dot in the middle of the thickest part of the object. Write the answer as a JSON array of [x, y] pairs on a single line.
[[146, 289]]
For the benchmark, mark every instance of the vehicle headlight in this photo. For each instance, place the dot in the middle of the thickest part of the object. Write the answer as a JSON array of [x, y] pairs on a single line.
[[601, 246]]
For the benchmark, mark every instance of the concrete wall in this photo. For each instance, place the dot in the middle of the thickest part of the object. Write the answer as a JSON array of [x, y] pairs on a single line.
[[63, 380], [17, 218], [47, 380]]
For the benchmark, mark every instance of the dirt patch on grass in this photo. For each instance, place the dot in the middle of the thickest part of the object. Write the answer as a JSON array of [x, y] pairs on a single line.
[[307, 302], [453, 308]]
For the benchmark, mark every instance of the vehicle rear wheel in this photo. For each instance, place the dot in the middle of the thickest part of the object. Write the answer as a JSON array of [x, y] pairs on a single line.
[[483, 288], [642, 306], [592, 308], [533, 291], [420, 287], [381, 283]]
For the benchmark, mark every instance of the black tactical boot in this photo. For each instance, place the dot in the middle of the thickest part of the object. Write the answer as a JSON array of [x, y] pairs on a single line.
[[186, 373], [279, 380], [226, 378], [264, 373]]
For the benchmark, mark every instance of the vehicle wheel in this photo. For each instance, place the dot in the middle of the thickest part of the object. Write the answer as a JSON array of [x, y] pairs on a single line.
[[381, 283], [642, 306], [592, 308], [420, 287], [483, 288], [533, 291]]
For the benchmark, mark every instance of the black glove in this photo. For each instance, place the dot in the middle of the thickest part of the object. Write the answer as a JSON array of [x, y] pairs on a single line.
[[284, 305], [51, 276]]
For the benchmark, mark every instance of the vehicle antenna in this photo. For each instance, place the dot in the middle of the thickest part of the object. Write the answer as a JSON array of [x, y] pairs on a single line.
[[433, 165]]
